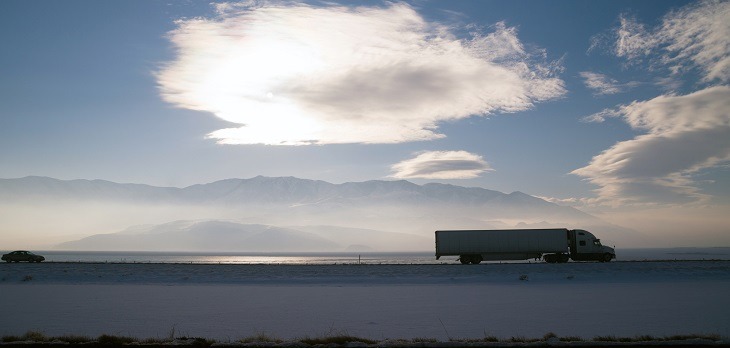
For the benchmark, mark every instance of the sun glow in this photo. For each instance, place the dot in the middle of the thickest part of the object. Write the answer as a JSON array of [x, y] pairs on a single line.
[[256, 68], [304, 75]]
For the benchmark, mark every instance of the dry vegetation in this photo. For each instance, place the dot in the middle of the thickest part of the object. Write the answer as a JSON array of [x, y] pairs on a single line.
[[345, 340]]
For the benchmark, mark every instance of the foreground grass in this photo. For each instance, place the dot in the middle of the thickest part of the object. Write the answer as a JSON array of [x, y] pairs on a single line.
[[340, 340]]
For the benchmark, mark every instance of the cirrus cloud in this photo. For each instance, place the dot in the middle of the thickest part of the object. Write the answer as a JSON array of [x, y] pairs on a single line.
[[300, 74], [604, 85], [441, 165], [695, 35], [683, 135]]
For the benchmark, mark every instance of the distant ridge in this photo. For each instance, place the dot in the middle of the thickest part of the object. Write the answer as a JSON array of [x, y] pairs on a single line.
[[296, 214], [286, 191], [228, 236]]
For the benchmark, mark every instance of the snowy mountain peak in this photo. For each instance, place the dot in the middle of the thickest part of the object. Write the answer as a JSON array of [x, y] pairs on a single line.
[[289, 192], [260, 189]]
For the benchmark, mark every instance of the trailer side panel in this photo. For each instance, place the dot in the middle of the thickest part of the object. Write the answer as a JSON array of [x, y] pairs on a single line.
[[527, 241]]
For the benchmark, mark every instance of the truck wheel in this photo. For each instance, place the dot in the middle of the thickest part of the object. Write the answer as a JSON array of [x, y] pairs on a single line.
[[470, 259], [607, 257]]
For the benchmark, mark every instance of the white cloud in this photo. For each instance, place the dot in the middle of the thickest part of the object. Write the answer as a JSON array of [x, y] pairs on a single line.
[[571, 201], [601, 116], [441, 165], [699, 33], [693, 36], [683, 135], [603, 85], [632, 39], [299, 74]]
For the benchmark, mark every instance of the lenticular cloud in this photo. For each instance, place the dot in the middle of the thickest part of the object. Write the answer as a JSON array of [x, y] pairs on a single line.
[[684, 135], [441, 165], [299, 74]]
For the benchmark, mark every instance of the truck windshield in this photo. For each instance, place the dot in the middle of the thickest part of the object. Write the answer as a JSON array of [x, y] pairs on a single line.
[[597, 242]]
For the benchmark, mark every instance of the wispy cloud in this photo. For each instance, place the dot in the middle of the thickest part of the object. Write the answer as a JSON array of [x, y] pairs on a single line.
[[300, 74], [601, 116], [693, 36], [603, 85], [441, 165], [683, 135], [633, 41], [580, 202]]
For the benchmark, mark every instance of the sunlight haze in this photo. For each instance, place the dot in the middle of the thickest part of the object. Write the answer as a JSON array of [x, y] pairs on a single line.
[[384, 119]]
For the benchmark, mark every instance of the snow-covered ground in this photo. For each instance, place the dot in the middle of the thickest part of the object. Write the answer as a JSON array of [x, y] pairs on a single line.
[[406, 258], [374, 301]]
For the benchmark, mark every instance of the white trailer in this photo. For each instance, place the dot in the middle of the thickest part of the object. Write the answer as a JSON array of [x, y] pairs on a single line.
[[552, 245]]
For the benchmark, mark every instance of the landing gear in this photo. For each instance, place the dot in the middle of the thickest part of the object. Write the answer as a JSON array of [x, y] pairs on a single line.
[[470, 259], [556, 258]]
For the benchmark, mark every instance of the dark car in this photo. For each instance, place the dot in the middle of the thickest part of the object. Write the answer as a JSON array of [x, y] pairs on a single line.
[[22, 255]]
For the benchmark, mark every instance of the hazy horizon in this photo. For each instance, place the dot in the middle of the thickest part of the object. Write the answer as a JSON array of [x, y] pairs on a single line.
[[619, 109], [276, 214]]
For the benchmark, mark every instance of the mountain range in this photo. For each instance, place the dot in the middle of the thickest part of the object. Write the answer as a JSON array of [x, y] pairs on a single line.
[[263, 213]]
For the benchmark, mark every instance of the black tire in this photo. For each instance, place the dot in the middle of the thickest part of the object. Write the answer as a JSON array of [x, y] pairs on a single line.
[[607, 257], [476, 259], [464, 260]]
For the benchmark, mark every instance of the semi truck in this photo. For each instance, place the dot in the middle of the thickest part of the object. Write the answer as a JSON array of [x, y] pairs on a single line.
[[554, 245]]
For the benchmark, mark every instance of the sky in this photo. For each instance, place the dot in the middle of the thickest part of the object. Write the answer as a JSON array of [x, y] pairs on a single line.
[[619, 108]]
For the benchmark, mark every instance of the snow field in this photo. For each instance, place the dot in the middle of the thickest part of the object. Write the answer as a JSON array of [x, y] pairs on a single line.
[[228, 302]]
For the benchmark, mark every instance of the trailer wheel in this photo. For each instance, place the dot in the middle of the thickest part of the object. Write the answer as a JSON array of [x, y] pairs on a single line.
[[470, 259]]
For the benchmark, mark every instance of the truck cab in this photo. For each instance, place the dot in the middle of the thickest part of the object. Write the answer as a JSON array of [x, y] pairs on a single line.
[[584, 246]]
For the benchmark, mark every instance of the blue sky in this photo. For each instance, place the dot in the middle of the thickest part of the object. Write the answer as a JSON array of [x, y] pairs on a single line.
[[615, 107]]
